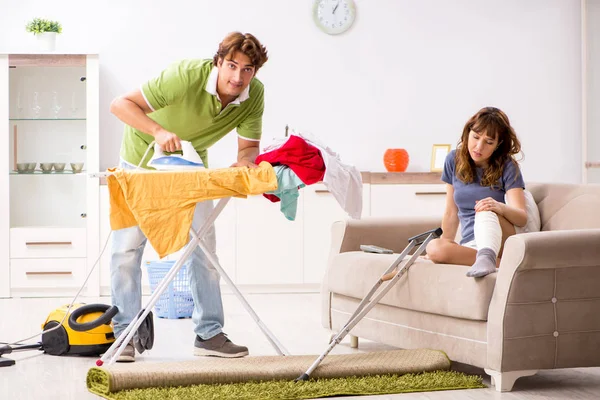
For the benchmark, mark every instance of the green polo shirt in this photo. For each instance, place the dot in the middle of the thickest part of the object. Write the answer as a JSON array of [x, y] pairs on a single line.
[[184, 101]]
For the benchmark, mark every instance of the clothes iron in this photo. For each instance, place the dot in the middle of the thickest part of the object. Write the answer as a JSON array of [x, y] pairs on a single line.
[[189, 159]]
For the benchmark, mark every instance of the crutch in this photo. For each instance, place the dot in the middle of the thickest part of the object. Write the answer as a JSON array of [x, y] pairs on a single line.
[[367, 304]]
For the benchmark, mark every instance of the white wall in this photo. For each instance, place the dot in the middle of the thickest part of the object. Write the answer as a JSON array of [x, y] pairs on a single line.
[[408, 74], [593, 87]]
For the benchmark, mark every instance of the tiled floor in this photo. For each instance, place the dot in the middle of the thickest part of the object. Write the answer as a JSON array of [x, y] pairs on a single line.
[[293, 318]]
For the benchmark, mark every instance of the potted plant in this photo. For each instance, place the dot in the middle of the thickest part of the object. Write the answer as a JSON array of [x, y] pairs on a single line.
[[45, 30]]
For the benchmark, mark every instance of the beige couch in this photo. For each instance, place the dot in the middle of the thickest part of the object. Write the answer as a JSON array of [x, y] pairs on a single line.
[[540, 311]]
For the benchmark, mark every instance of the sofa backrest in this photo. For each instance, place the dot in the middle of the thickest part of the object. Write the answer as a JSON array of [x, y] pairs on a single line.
[[566, 206]]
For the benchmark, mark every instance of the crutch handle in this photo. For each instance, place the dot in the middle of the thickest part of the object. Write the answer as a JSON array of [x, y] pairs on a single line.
[[389, 276], [418, 239], [437, 232]]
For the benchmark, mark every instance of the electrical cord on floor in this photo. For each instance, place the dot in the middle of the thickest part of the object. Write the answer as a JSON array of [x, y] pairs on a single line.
[[18, 342]]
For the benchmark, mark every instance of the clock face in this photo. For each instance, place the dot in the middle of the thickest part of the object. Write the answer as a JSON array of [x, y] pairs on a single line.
[[334, 16]]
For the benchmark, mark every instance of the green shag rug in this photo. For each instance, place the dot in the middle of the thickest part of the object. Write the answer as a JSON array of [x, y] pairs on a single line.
[[314, 388]]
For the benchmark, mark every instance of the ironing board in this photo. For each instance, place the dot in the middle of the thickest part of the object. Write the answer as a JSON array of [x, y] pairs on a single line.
[[113, 353]]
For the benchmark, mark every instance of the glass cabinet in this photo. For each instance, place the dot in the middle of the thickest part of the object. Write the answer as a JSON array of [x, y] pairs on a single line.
[[49, 225]]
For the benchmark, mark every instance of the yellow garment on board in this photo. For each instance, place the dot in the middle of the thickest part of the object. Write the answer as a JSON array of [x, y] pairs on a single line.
[[162, 203]]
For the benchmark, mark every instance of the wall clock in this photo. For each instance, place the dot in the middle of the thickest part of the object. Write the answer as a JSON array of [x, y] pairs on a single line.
[[334, 16]]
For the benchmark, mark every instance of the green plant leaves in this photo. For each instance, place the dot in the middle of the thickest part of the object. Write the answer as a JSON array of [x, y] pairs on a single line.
[[40, 25]]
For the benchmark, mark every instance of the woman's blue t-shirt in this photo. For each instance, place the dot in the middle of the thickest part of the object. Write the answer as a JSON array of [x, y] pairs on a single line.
[[465, 194]]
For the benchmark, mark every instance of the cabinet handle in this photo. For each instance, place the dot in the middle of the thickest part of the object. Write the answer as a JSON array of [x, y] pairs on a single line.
[[592, 164], [322, 191], [428, 193], [48, 273], [47, 243]]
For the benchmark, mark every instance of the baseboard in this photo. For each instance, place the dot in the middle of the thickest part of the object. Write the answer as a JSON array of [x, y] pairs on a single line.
[[258, 289], [248, 289]]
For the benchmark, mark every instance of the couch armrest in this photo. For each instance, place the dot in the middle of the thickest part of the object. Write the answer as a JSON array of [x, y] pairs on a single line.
[[391, 233], [543, 313]]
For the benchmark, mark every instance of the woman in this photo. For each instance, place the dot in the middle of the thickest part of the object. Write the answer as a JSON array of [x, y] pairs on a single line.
[[480, 174]]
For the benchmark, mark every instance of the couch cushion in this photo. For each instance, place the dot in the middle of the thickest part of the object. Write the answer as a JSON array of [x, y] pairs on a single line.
[[565, 206], [434, 288]]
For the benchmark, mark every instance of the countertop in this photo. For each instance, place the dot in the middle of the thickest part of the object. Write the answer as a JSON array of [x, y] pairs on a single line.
[[389, 178]]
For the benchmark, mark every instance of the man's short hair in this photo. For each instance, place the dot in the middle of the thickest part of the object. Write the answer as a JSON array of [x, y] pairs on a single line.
[[245, 43]]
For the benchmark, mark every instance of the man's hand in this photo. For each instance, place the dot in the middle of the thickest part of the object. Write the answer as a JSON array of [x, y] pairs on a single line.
[[247, 153], [244, 163], [168, 141]]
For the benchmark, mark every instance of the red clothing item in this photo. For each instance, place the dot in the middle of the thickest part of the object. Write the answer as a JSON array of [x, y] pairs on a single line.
[[304, 159]]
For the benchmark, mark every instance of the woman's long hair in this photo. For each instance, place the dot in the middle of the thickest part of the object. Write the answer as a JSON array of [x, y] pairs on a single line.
[[493, 123]]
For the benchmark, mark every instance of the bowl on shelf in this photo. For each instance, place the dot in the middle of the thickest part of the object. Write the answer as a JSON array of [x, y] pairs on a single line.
[[22, 168], [59, 167], [31, 167], [46, 167], [77, 167]]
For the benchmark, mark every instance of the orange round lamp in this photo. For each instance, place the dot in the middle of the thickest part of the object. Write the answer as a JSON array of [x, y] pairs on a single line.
[[396, 160]]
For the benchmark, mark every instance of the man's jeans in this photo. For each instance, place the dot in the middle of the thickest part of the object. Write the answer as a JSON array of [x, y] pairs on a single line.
[[126, 275]]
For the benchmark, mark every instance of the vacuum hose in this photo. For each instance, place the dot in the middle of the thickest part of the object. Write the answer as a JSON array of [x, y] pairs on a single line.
[[108, 313]]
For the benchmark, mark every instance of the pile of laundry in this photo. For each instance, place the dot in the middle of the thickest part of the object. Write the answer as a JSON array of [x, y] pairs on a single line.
[[300, 160]]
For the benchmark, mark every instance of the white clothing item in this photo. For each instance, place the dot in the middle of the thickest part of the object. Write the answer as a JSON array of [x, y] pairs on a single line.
[[488, 232], [534, 223], [342, 180]]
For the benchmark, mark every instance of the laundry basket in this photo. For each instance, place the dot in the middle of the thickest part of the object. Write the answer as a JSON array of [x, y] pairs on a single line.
[[176, 301]]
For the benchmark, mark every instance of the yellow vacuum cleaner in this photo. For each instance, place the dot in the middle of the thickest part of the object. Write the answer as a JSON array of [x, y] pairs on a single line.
[[87, 331]]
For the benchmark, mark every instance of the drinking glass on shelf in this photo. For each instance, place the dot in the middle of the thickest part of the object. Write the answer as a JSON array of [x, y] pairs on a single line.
[[19, 105], [55, 105], [74, 108], [35, 107]]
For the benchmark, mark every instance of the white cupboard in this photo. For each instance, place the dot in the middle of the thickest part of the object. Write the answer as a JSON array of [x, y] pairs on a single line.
[[268, 246], [321, 210], [411, 200], [49, 206]]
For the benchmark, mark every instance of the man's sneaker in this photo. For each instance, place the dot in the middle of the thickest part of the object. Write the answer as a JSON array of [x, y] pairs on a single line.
[[218, 346], [128, 354]]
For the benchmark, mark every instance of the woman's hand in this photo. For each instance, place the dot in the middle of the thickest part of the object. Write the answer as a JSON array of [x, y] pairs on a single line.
[[489, 204]]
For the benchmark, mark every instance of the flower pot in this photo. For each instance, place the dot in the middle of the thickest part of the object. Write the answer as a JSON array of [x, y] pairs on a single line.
[[396, 160], [47, 41]]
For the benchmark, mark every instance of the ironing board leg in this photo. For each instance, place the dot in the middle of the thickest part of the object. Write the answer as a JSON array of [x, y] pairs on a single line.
[[113, 353], [270, 337]]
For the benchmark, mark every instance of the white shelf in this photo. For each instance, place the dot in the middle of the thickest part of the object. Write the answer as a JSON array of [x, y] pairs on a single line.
[[50, 207]]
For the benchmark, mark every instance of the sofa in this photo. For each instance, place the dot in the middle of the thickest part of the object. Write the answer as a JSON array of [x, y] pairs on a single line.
[[541, 310]]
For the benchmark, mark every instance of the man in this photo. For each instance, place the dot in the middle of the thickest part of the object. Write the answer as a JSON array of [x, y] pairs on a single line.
[[199, 101]]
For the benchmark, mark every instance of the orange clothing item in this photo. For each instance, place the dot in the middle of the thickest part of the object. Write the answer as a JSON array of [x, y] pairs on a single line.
[[162, 203]]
